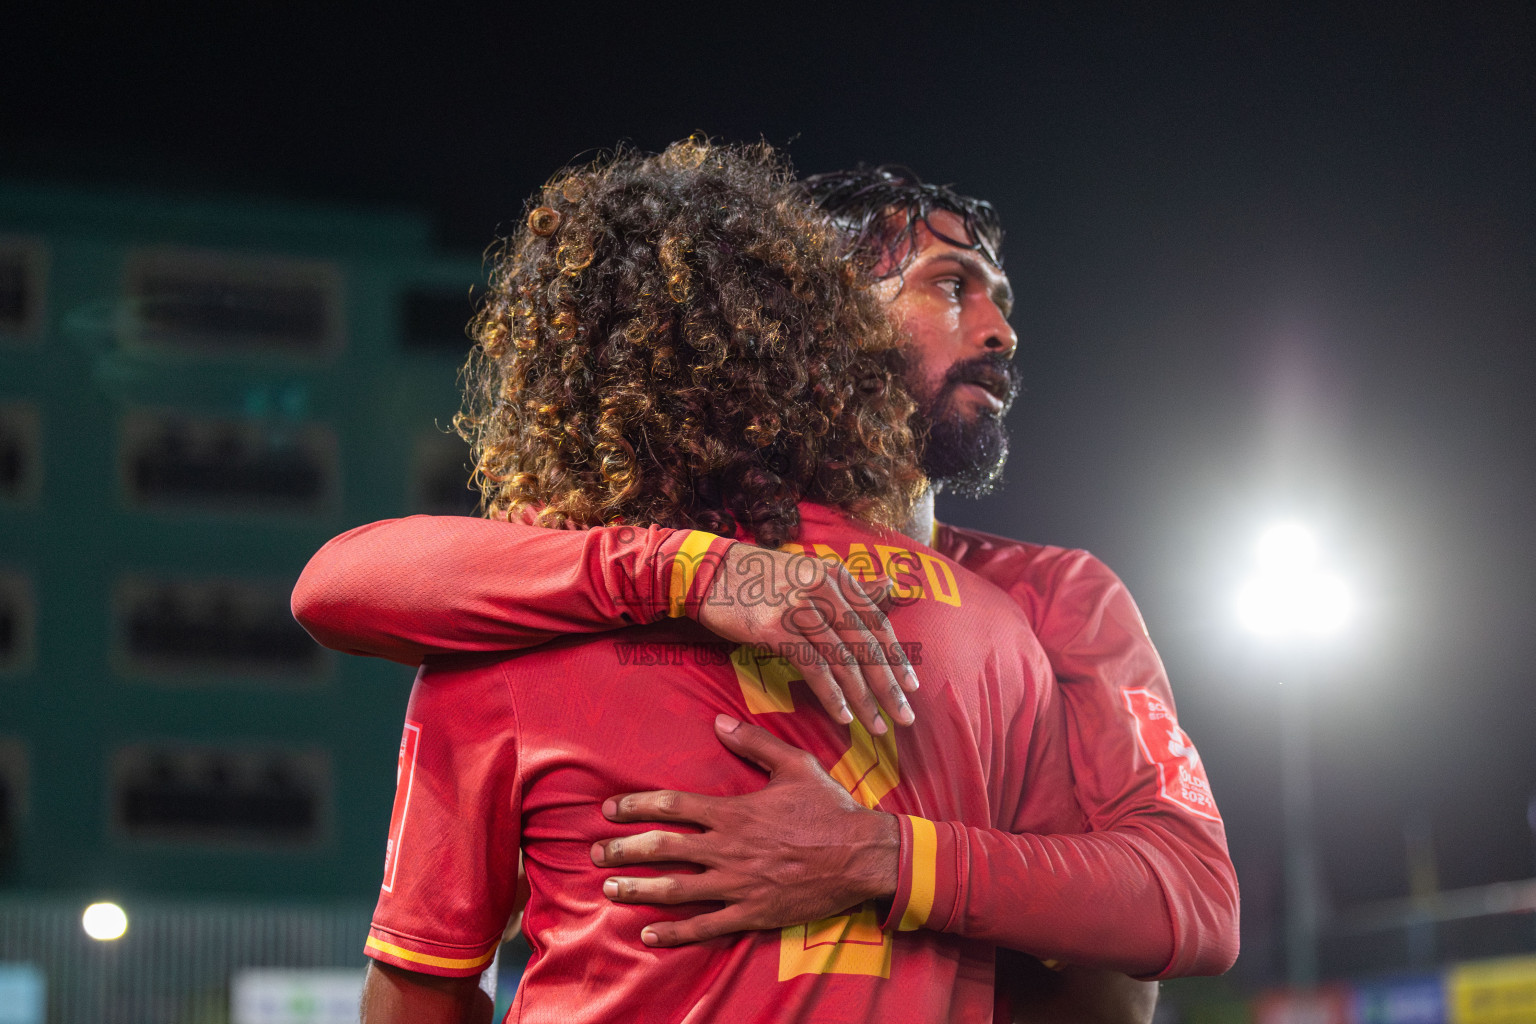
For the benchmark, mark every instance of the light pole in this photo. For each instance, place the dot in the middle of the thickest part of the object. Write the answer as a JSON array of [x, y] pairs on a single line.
[[1290, 600]]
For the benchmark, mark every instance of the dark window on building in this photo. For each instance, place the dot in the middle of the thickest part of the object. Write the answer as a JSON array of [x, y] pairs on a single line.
[[436, 320], [8, 823], [10, 631], [19, 300], [15, 622], [216, 796], [221, 628], [23, 265], [227, 305], [234, 466], [18, 451], [13, 798], [13, 462]]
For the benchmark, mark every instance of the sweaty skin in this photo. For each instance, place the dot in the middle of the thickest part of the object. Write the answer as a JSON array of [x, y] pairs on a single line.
[[953, 306]]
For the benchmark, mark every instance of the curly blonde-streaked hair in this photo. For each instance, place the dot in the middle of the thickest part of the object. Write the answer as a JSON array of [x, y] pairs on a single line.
[[674, 339]]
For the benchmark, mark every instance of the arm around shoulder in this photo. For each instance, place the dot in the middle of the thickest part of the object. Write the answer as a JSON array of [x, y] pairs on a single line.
[[403, 589]]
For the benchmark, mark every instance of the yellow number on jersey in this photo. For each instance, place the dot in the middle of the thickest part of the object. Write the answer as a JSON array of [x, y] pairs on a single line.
[[843, 944], [849, 943]]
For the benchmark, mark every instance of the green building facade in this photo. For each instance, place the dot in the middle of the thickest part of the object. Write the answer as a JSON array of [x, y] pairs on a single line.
[[194, 396]]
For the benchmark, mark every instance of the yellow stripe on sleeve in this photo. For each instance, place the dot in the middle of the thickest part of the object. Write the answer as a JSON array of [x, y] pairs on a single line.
[[430, 961], [685, 566], [925, 856]]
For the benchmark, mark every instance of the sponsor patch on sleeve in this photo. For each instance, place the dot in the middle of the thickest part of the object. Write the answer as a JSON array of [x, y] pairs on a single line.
[[1180, 772], [405, 775]]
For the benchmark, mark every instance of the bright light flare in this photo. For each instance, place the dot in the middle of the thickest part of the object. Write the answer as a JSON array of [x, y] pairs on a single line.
[[104, 922], [1286, 547], [1292, 594]]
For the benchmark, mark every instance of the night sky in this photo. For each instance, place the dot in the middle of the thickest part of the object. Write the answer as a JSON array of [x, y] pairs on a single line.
[[1271, 264]]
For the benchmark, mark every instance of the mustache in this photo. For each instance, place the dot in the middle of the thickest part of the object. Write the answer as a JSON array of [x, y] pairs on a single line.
[[995, 373]]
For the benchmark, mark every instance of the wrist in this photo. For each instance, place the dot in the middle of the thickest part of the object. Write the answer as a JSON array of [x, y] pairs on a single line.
[[692, 570], [878, 856], [713, 584], [922, 899]]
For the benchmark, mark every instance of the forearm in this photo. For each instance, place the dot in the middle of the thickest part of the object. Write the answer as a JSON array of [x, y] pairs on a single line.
[[1136, 771], [395, 996], [1133, 770], [405, 588], [1200, 887], [1087, 900], [800, 849], [1091, 900], [1183, 841]]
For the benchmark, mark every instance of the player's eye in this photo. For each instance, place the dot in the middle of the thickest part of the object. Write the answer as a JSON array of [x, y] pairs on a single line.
[[952, 286]]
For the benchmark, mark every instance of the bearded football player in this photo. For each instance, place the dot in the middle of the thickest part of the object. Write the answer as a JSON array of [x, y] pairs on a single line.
[[463, 588]]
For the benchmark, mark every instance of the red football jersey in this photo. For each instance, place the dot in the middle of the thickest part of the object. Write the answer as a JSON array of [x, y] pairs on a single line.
[[406, 588], [1134, 767], [520, 752]]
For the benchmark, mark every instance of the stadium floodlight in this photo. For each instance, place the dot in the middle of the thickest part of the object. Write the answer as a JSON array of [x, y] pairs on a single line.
[[1292, 594], [104, 922]]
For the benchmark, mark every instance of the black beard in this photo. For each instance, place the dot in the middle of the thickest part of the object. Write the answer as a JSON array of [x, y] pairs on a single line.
[[964, 454]]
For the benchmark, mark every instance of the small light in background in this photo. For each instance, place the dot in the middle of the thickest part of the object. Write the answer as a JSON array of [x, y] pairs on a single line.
[[1292, 594], [104, 921]]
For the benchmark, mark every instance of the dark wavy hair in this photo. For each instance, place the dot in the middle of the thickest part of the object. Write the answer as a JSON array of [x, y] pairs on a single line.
[[676, 339], [878, 210]]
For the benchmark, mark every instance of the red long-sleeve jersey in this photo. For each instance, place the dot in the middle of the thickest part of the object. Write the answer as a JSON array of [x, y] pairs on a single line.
[[405, 588], [503, 752], [1134, 768]]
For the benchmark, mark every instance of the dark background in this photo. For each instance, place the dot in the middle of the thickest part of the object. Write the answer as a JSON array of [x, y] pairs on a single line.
[[1268, 264]]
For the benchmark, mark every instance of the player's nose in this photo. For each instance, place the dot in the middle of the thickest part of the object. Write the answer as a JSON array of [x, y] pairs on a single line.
[[996, 335]]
